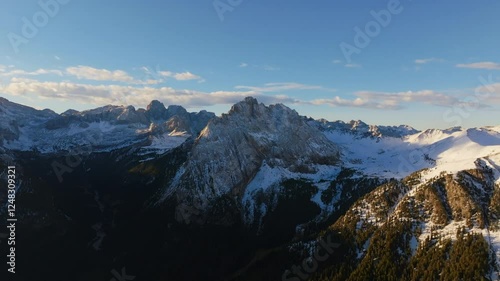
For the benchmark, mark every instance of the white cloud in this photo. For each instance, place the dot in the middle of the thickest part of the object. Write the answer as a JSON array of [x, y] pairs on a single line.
[[138, 96], [352, 65], [95, 74], [266, 67], [136, 92], [480, 65], [165, 73], [279, 87], [91, 73], [270, 68], [181, 76], [428, 60], [57, 58], [489, 94], [424, 96], [4, 69], [493, 88], [357, 102], [186, 76], [83, 72], [337, 61], [9, 71], [397, 100], [428, 97]]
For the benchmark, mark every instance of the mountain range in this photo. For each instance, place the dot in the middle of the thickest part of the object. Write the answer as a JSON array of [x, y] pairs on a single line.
[[249, 195]]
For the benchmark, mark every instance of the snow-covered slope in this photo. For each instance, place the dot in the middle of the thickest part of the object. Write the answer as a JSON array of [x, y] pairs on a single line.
[[449, 150], [420, 218]]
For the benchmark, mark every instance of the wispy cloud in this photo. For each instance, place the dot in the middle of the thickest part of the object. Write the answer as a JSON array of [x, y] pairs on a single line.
[[480, 65], [183, 76], [357, 102], [281, 87], [398, 100], [152, 77], [91, 73], [348, 65], [83, 72], [428, 60], [488, 93], [3, 68], [266, 67], [352, 65], [12, 72], [493, 88], [161, 75], [425, 96], [270, 68]]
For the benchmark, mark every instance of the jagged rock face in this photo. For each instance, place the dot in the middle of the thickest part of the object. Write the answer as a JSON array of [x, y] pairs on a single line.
[[177, 118], [113, 114], [193, 123], [118, 114], [156, 110], [199, 120], [130, 115], [361, 129], [14, 116], [231, 149], [176, 110], [177, 123], [158, 129]]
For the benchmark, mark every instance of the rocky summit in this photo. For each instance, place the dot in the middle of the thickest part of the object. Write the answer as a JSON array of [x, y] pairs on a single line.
[[245, 139]]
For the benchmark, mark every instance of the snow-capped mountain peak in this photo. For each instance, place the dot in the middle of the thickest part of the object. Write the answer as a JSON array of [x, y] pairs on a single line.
[[250, 135], [105, 128]]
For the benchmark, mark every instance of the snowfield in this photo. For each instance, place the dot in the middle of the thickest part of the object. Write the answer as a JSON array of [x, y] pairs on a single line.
[[447, 151]]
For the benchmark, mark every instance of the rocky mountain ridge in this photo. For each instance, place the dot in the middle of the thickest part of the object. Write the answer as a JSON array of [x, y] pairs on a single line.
[[250, 135], [105, 128]]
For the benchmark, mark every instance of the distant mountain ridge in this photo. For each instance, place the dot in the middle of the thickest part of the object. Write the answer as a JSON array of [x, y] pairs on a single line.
[[20, 122], [26, 129], [362, 129]]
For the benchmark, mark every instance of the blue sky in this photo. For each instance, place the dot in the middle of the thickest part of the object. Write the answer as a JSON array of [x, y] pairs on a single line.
[[431, 64]]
